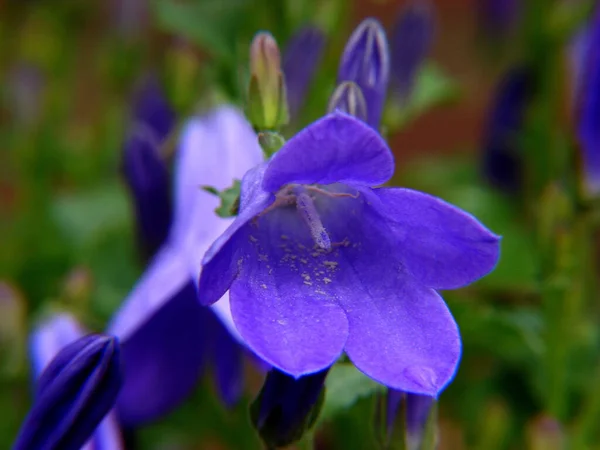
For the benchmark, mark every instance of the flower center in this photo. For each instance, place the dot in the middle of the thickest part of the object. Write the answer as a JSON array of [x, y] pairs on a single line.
[[303, 197]]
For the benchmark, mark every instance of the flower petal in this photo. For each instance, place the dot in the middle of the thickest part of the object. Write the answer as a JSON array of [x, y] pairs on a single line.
[[335, 149], [283, 317], [443, 247], [213, 151], [222, 260], [163, 304], [404, 338], [400, 332]]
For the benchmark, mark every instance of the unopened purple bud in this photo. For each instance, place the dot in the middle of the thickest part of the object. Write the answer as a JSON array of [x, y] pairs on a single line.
[[287, 407], [410, 44], [267, 103], [498, 17], [147, 177], [366, 62], [74, 393], [588, 106], [417, 410], [502, 155], [152, 110], [301, 58], [348, 98]]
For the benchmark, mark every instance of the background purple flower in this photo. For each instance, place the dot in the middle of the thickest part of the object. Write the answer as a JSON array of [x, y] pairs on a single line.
[[502, 156], [144, 166], [212, 152], [318, 262], [410, 43], [301, 58], [588, 105]]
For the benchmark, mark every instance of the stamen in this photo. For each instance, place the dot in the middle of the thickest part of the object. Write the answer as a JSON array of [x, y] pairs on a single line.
[[308, 212]]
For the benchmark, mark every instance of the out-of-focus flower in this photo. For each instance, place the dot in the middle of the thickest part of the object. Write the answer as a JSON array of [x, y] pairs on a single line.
[[366, 61], [304, 268], [267, 107], [502, 155], [145, 169], [348, 98], [497, 18], [286, 407], [78, 378], [301, 59], [587, 108], [410, 42], [213, 151], [417, 409], [26, 85]]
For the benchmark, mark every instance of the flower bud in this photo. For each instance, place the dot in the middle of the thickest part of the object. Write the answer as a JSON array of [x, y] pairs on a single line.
[[410, 43], [267, 102], [502, 152], [287, 407], [74, 393], [301, 58], [148, 179], [348, 98], [144, 168], [366, 62], [415, 412]]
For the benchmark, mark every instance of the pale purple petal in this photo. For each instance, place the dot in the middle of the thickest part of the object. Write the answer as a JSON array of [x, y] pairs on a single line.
[[213, 151], [443, 247], [335, 149]]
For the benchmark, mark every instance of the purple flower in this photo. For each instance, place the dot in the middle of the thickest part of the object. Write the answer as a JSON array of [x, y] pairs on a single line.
[[78, 378], [147, 176], [502, 155], [213, 151], [366, 61], [588, 105], [410, 44], [301, 58], [144, 167], [417, 409], [318, 262], [286, 407]]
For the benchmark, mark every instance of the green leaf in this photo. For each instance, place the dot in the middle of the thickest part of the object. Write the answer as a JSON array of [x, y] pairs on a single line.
[[345, 385], [211, 24]]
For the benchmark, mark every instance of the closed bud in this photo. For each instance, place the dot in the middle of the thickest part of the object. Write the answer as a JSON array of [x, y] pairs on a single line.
[[270, 142], [267, 103], [502, 157], [287, 407], [301, 58], [366, 62], [410, 43], [348, 98], [74, 393], [410, 418], [545, 433], [147, 176]]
